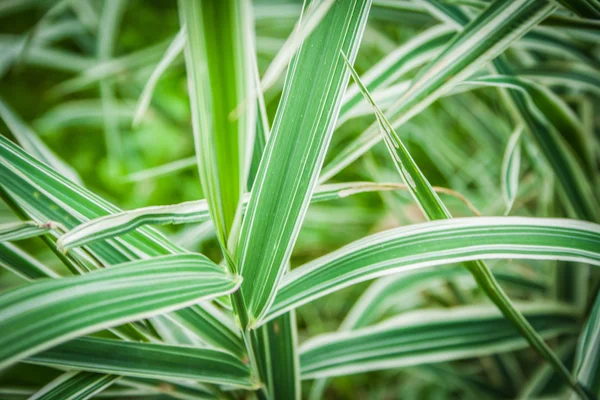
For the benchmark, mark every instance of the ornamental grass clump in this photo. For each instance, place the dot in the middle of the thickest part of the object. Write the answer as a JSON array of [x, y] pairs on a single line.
[[335, 199]]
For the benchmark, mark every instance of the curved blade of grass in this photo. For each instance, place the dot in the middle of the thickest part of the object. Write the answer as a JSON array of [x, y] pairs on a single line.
[[220, 80], [57, 199], [487, 36], [560, 138], [430, 244], [32, 143], [148, 360], [434, 209], [426, 336], [22, 264], [42, 314], [511, 164], [174, 49], [197, 211], [75, 385], [162, 170]]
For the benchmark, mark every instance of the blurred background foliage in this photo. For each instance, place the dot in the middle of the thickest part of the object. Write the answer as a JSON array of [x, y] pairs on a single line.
[[51, 76]]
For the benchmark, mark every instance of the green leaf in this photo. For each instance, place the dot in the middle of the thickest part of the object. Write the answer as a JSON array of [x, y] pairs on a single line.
[[430, 244], [174, 49], [220, 81], [510, 169], [75, 385], [21, 263], [39, 315], [310, 18], [51, 197], [13, 231], [487, 36], [427, 336], [294, 154], [277, 341], [197, 211], [148, 360], [48, 194]]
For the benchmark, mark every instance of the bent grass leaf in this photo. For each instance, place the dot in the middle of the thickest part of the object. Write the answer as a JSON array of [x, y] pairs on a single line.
[[42, 314], [429, 244], [425, 337], [197, 211], [148, 360]]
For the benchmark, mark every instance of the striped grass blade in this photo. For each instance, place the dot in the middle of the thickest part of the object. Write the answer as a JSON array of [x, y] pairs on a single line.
[[39, 315], [219, 57], [148, 360], [429, 244], [294, 153], [426, 336]]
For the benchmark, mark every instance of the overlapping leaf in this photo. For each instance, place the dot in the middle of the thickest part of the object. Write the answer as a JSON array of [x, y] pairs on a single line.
[[39, 315]]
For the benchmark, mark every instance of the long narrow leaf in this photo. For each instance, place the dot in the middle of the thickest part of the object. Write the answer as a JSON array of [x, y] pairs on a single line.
[[424, 337], [148, 360], [220, 82], [74, 386], [197, 211], [430, 244], [39, 315]]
